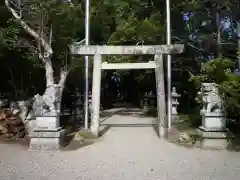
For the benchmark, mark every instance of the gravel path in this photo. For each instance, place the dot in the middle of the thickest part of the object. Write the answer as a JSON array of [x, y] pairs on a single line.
[[123, 153]]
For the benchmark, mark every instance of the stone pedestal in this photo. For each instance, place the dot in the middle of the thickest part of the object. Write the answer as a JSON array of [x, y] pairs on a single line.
[[47, 135], [213, 121], [211, 139], [213, 132]]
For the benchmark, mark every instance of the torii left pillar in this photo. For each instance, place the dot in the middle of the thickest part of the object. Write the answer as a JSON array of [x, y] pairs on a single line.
[[96, 94]]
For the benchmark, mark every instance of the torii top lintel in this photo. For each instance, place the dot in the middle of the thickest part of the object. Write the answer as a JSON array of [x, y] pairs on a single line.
[[127, 50]]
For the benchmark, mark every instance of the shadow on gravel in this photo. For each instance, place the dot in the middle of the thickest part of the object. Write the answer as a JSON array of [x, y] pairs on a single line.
[[23, 142], [75, 145], [234, 143], [104, 129], [78, 139], [156, 129], [106, 114]]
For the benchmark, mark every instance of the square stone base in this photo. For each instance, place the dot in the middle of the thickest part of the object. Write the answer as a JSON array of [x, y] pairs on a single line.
[[47, 122], [210, 139], [213, 120], [215, 144], [45, 140]]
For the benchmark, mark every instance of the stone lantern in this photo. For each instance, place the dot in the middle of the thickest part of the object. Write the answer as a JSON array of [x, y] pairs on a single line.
[[175, 103], [90, 103], [152, 99], [145, 102], [148, 101]]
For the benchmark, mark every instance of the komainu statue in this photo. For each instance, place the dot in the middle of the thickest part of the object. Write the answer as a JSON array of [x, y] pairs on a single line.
[[49, 101], [210, 96]]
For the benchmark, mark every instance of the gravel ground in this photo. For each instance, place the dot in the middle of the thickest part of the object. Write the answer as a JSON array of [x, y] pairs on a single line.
[[124, 153]]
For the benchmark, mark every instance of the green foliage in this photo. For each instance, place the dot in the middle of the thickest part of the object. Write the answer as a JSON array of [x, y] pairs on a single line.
[[230, 89], [9, 35], [9, 31], [214, 71], [219, 71], [62, 18], [193, 119]]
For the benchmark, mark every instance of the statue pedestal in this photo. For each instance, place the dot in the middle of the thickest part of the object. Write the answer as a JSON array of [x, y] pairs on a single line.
[[47, 135], [213, 132], [175, 117], [213, 120]]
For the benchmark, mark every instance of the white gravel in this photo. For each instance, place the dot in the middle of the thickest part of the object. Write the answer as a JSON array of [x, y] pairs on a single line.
[[123, 153]]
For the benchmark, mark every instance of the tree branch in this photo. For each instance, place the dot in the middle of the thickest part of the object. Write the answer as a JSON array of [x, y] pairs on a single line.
[[191, 45], [63, 77], [64, 72], [29, 30]]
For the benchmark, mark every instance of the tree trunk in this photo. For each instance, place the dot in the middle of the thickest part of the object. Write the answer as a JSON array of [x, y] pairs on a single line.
[[219, 53], [52, 97], [48, 71], [238, 34]]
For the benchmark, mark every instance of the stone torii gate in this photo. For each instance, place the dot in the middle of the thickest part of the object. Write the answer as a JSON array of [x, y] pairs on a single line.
[[97, 51]]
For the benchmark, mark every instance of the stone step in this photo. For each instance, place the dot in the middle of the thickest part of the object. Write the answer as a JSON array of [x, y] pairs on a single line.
[[46, 140]]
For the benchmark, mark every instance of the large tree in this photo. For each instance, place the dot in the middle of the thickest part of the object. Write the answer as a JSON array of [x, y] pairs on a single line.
[[50, 26]]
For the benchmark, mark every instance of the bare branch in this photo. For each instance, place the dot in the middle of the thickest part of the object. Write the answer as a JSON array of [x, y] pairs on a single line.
[[191, 45], [50, 36], [29, 30], [65, 71], [63, 77]]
